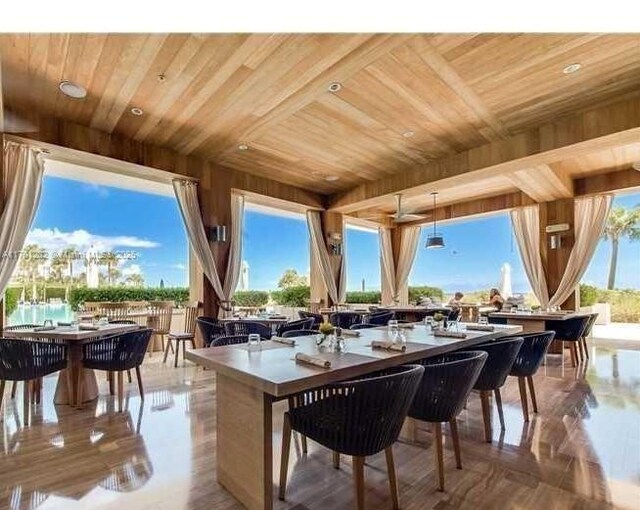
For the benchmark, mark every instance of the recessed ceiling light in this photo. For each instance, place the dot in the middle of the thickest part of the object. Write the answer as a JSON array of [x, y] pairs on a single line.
[[243, 147], [335, 86], [572, 68], [331, 178], [408, 134], [161, 77], [636, 165], [72, 90], [136, 111]]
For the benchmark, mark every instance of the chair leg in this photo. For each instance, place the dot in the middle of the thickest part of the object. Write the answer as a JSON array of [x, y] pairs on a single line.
[[80, 389], [486, 415], [14, 388], [336, 460], [129, 375], [139, 383], [455, 438], [120, 390], [303, 440], [532, 390], [523, 398], [437, 429], [284, 458], [112, 390], [2, 383], [498, 397], [176, 353], [572, 352], [26, 396], [391, 473], [586, 347], [358, 479], [166, 350], [184, 351]]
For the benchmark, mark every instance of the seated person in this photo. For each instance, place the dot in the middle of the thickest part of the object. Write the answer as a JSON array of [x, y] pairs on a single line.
[[495, 299], [456, 300]]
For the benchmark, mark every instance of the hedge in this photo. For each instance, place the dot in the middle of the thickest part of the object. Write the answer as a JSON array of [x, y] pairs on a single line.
[[415, 293], [251, 298], [11, 297], [292, 296], [79, 295], [364, 297], [588, 295]]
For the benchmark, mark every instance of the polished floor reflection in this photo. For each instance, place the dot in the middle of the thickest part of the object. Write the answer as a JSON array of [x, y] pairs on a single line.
[[581, 451]]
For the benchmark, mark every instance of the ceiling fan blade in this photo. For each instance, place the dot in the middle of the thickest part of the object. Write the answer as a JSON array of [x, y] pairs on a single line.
[[11, 122], [409, 217]]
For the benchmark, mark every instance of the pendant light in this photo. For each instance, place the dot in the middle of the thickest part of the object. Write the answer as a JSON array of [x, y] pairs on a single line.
[[435, 239]]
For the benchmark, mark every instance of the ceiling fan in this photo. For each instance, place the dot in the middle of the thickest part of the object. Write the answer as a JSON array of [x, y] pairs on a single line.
[[401, 217]]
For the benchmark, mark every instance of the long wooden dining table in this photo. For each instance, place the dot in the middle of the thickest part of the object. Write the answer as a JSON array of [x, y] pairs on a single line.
[[248, 382], [74, 338]]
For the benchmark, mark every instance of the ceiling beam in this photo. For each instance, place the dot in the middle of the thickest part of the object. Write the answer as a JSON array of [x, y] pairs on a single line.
[[583, 133], [621, 180], [543, 183]]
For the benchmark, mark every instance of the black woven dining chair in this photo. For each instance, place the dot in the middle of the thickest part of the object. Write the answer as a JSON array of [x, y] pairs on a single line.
[[210, 329], [345, 320], [14, 385], [364, 326], [586, 334], [529, 358], [453, 315], [317, 317], [116, 354], [445, 386], [29, 361], [570, 331], [380, 319], [359, 418], [502, 354], [229, 340], [299, 332], [295, 325], [237, 327]]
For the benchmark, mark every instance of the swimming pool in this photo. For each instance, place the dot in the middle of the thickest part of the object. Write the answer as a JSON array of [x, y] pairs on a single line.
[[36, 314]]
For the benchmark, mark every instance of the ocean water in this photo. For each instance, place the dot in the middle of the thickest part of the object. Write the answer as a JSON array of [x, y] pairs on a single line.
[[37, 314]]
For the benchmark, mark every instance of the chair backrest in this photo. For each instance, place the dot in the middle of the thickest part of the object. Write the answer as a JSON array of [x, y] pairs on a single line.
[[118, 352], [317, 318], [191, 311], [592, 322], [502, 354], [235, 328], [295, 325], [19, 327], [363, 326], [371, 410], [160, 313], [380, 318], [299, 332], [23, 360], [446, 384], [569, 330], [531, 353], [115, 310], [210, 329], [345, 320], [91, 306], [453, 315], [229, 340]]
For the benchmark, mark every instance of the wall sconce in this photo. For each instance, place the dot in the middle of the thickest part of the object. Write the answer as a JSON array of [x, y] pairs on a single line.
[[218, 233], [555, 239], [335, 243]]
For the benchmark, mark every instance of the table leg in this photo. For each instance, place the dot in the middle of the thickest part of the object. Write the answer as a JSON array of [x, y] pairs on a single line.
[[90, 388], [244, 443]]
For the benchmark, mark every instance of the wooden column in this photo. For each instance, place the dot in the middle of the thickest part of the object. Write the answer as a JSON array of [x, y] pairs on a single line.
[[2, 194], [555, 260], [332, 223]]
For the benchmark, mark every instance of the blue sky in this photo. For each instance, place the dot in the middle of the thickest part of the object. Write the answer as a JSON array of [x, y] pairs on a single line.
[[151, 226]]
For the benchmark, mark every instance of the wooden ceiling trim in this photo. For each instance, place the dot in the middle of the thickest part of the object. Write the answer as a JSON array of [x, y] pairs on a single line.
[[605, 183], [543, 183], [599, 129], [449, 75]]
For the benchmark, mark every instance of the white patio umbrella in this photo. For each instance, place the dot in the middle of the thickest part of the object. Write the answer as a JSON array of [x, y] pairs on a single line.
[[505, 280]]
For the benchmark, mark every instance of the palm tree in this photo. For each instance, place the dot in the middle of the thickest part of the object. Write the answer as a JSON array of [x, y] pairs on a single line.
[[621, 223], [135, 280], [68, 255], [110, 259], [31, 257]]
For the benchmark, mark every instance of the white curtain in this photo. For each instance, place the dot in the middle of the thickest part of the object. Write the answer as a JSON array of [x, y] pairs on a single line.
[[187, 195], [235, 248], [396, 279], [526, 228], [23, 171], [590, 220], [337, 290]]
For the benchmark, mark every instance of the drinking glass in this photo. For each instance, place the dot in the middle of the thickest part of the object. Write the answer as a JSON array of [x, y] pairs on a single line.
[[254, 342], [393, 326]]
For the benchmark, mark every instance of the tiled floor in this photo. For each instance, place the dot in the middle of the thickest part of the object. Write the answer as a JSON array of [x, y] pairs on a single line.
[[581, 451]]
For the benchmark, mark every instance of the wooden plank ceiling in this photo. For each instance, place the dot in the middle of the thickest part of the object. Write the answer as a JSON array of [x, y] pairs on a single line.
[[404, 100]]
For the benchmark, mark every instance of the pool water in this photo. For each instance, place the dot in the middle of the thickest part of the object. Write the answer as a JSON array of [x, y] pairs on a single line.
[[37, 314]]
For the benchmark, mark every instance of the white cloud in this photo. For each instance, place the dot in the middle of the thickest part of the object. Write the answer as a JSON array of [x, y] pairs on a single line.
[[101, 191], [180, 266], [131, 269], [56, 240]]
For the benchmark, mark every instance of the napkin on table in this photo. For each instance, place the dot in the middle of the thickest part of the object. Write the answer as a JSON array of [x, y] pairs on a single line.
[[286, 341], [312, 360], [481, 327], [389, 346], [449, 334]]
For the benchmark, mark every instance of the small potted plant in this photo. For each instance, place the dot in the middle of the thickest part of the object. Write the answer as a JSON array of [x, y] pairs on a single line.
[[438, 318], [325, 329]]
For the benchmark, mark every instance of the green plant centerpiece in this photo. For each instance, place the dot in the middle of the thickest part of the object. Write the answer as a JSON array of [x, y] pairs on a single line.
[[326, 329], [438, 318]]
